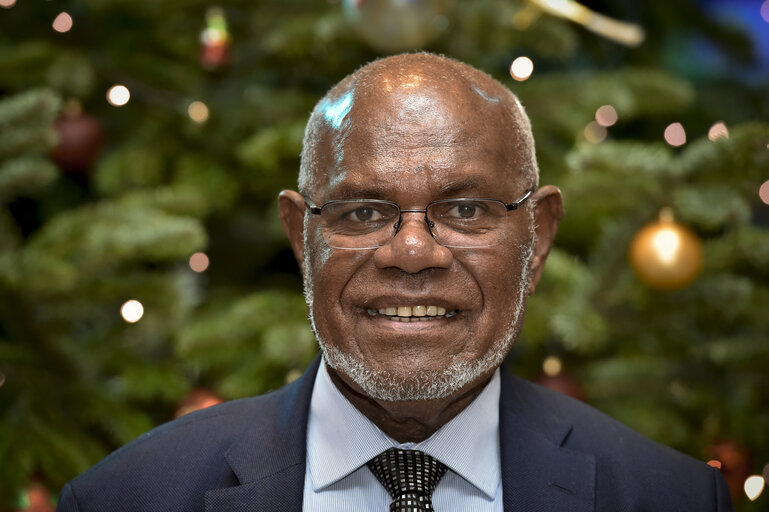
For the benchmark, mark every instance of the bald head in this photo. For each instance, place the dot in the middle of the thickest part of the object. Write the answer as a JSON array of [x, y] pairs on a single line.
[[402, 89]]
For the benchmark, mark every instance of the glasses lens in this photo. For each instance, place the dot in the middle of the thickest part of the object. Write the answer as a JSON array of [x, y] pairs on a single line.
[[362, 224], [468, 223]]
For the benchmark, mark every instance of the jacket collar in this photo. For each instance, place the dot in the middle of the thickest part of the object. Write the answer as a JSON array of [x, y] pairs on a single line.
[[538, 472], [269, 460]]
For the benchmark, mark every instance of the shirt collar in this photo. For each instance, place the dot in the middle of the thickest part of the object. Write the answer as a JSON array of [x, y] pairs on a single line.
[[340, 439]]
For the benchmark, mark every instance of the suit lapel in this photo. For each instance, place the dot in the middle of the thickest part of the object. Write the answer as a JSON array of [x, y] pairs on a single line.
[[538, 472], [269, 460]]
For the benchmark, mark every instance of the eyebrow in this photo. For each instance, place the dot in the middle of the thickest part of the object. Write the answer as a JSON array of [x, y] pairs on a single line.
[[456, 188], [460, 187]]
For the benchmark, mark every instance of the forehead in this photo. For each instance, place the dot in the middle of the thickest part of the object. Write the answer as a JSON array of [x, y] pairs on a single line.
[[411, 134]]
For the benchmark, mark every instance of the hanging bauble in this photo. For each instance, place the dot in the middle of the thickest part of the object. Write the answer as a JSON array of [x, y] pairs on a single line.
[[198, 398], [736, 464], [35, 498], [665, 254], [215, 41], [397, 25], [80, 139], [554, 377]]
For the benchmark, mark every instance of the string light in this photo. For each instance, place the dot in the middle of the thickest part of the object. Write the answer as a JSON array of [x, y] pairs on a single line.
[[62, 23], [675, 135], [521, 68], [552, 366], [765, 10], [132, 311], [606, 115], [198, 111], [118, 95], [763, 192], [7, 4], [292, 375], [594, 132], [199, 262], [718, 131], [754, 486]]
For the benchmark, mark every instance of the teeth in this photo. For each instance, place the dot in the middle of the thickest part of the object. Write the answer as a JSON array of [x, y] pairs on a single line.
[[412, 313]]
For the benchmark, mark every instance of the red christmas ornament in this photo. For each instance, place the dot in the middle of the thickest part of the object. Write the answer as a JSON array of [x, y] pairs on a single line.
[[215, 41], [553, 377], [735, 464], [35, 498], [562, 382], [198, 398], [80, 139]]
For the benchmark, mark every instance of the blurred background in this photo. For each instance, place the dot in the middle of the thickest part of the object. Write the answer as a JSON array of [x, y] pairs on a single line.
[[144, 274]]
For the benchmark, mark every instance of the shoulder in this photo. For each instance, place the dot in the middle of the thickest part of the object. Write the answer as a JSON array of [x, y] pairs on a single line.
[[629, 467], [172, 466]]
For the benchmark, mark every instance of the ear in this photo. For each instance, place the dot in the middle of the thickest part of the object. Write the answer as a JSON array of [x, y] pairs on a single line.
[[291, 207], [548, 211]]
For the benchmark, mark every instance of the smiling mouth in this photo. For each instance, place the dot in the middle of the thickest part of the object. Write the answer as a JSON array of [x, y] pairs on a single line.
[[412, 313]]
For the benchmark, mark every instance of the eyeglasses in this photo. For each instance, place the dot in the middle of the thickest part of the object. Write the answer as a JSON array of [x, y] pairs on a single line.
[[465, 223]]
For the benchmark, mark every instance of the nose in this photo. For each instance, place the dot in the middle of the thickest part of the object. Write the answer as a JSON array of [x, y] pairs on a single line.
[[413, 248]]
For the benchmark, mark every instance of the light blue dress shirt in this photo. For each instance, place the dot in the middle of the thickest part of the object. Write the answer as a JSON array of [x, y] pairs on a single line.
[[340, 440]]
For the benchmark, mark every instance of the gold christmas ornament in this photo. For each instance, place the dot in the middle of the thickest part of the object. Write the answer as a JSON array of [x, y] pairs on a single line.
[[397, 25], [666, 255]]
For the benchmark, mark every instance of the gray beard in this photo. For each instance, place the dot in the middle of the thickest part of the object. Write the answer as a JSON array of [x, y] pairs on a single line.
[[395, 386]]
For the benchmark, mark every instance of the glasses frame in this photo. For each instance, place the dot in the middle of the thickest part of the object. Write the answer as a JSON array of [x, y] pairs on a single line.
[[317, 210]]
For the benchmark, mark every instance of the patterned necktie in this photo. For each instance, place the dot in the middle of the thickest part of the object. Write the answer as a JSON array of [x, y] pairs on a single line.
[[410, 476]]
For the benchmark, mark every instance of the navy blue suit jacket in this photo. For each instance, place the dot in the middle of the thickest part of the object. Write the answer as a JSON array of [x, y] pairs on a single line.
[[558, 455]]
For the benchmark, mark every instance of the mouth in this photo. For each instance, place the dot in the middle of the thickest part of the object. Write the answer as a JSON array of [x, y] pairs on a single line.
[[412, 313]]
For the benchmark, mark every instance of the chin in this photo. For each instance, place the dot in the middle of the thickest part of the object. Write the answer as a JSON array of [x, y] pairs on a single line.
[[417, 384]]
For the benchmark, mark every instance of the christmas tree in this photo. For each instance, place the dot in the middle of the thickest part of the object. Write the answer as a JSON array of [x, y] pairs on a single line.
[[143, 271]]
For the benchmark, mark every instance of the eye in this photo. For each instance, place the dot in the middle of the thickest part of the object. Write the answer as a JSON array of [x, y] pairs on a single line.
[[365, 214], [465, 210]]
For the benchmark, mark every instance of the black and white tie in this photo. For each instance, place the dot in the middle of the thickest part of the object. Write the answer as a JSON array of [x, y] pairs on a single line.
[[410, 476]]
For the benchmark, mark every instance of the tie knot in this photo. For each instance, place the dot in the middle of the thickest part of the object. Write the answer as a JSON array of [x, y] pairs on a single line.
[[410, 477]]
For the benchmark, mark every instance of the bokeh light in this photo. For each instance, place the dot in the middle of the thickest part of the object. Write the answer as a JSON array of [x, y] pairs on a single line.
[[292, 375], [7, 4], [118, 95], [594, 132], [199, 262], [675, 135], [198, 111], [666, 244], [763, 192], [718, 131], [522, 68], [606, 115], [754, 486], [62, 22], [765, 10], [715, 463], [132, 311], [197, 399], [552, 366]]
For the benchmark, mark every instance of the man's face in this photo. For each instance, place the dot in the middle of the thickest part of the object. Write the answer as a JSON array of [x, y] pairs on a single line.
[[414, 145]]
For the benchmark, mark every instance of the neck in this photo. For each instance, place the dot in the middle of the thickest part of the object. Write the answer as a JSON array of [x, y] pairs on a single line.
[[409, 420]]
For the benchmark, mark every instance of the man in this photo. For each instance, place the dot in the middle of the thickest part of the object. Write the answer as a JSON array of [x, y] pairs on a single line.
[[420, 230]]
